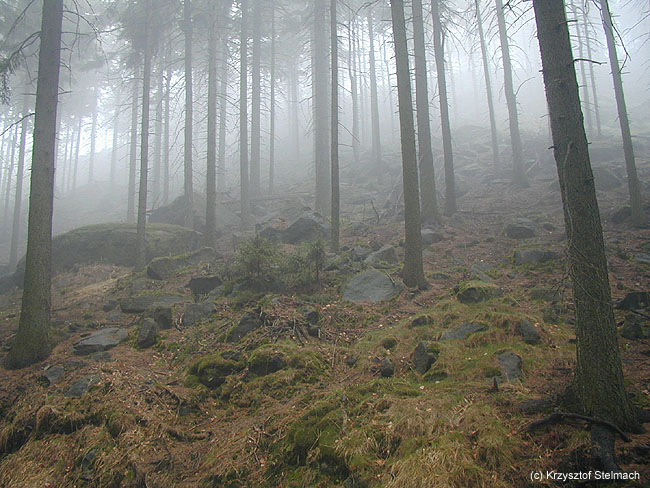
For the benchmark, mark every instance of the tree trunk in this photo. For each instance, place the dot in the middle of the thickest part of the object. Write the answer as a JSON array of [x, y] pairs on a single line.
[[439, 52], [272, 107], [141, 256], [496, 157], [334, 129], [320, 78], [586, 106], [223, 120], [114, 149], [133, 150], [33, 340], [211, 163], [518, 174], [592, 75], [243, 118], [256, 88], [599, 377], [295, 105], [165, 189], [10, 174], [93, 138], [425, 154], [76, 155], [352, 73], [628, 149], [157, 148], [189, 110], [374, 101], [18, 215], [413, 273]]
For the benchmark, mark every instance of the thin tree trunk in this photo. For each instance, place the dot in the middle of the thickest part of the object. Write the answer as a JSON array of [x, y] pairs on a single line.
[[189, 110], [496, 157], [114, 149], [592, 74], [165, 189], [18, 215], [33, 340], [427, 175], [391, 105], [518, 173], [624, 121], [256, 88], [243, 118], [223, 119], [352, 73], [374, 102], [295, 102], [133, 149], [76, 155], [93, 139], [211, 164], [157, 148], [439, 52], [334, 129], [272, 107], [413, 273], [599, 375], [586, 106], [141, 256], [10, 174]]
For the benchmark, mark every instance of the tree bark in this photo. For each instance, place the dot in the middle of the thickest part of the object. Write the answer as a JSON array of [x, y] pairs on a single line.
[[439, 51], [165, 188], [93, 138], [141, 256], [211, 163], [599, 376], [320, 78], [243, 118], [157, 148], [188, 185], [133, 149], [256, 101], [73, 180], [334, 129], [425, 153], [114, 149], [628, 149], [374, 101], [18, 200], [223, 119], [518, 174], [272, 107], [413, 273], [33, 340], [352, 73], [586, 108]]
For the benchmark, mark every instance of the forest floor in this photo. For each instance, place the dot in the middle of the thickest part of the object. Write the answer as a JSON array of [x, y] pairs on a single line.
[[327, 417]]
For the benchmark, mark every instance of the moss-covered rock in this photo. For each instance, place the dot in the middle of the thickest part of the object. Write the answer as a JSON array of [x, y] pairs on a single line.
[[477, 291], [212, 370]]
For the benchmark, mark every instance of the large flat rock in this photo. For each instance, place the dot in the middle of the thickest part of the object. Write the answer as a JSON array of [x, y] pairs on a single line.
[[140, 303], [100, 341], [371, 285]]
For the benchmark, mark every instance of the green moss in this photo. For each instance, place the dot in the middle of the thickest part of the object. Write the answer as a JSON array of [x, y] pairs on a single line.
[[213, 369], [389, 343]]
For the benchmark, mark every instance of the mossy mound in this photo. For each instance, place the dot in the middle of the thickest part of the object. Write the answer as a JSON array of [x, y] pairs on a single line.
[[212, 370], [477, 291]]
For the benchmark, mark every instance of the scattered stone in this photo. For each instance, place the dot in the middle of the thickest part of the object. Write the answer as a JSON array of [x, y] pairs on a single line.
[[510, 363], [114, 316], [311, 315], [424, 356], [636, 300], [82, 386], [351, 360], [372, 285], [385, 254], [161, 314], [110, 305], [477, 291], [533, 256], [462, 331], [431, 237], [528, 332], [309, 227], [440, 276], [313, 331], [248, 323], [141, 303], [203, 285], [642, 258], [621, 215], [147, 333], [478, 272], [605, 180], [53, 374], [387, 368], [100, 341], [163, 268], [520, 229], [359, 253], [421, 321], [632, 327], [101, 356], [196, 312]]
